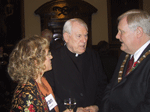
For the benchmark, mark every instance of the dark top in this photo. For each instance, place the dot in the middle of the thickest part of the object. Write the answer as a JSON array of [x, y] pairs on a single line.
[[79, 77], [132, 94], [28, 97]]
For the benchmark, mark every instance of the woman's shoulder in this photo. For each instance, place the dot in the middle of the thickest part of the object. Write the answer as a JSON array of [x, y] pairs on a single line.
[[27, 88], [25, 96]]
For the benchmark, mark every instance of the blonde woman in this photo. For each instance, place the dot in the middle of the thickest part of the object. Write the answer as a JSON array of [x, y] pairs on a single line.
[[27, 63]]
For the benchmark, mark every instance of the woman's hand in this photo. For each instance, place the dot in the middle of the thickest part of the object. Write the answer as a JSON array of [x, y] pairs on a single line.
[[92, 108], [68, 110], [81, 109]]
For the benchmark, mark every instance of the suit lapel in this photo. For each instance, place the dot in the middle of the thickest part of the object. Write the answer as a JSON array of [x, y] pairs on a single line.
[[125, 67], [124, 78], [146, 49]]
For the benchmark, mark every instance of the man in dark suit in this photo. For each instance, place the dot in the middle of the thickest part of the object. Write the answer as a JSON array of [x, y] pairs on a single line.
[[129, 90], [77, 70]]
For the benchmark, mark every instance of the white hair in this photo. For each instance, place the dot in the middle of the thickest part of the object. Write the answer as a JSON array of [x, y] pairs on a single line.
[[68, 24], [137, 18]]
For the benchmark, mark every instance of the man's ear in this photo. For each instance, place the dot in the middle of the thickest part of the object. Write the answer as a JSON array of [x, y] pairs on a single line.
[[66, 37], [139, 32]]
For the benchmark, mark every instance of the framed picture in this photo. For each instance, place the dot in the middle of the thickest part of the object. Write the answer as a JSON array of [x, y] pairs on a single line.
[[11, 22], [115, 9]]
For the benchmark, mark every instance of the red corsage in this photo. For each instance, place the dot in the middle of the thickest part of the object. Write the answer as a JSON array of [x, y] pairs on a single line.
[[135, 64]]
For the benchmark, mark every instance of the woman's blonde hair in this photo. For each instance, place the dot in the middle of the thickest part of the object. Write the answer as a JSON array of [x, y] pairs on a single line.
[[27, 59]]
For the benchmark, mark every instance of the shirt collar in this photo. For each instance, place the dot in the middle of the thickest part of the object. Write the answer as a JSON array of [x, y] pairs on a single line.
[[140, 50]]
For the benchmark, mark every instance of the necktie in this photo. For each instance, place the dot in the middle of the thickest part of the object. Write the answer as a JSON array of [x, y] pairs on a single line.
[[129, 66]]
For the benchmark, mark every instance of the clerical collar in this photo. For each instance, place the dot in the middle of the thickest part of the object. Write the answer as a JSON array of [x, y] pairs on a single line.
[[71, 53], [76, 55]]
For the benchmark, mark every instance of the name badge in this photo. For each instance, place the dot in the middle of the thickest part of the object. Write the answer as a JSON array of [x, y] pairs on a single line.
[[50, 101]]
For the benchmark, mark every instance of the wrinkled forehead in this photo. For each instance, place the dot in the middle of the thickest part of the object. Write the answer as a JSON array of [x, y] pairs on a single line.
[[76, 26]]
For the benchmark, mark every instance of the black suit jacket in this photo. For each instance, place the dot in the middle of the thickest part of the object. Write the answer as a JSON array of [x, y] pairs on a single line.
[[132, 94], [66, 80]]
